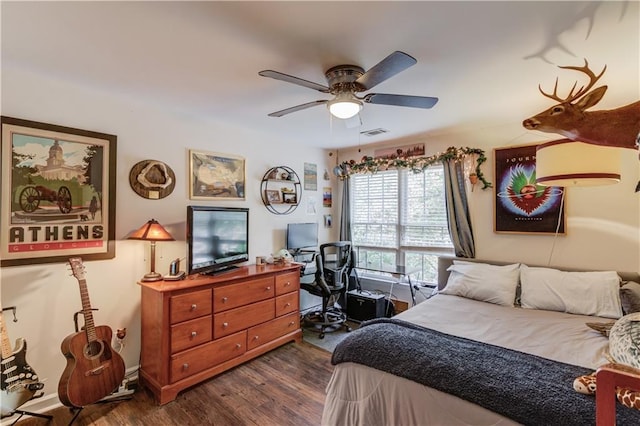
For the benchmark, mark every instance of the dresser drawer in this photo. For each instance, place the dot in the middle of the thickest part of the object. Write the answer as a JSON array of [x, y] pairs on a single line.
[[287, 303], [190, 305], [288, 282], [191, 333], [205, 356], [229, 322], [235, 295], [266, 332]]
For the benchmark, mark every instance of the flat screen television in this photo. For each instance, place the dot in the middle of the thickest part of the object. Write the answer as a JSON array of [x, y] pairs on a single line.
[[217, 238], [302, 236]]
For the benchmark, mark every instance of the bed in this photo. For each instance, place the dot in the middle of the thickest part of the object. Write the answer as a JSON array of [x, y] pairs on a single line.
[[458, 360]]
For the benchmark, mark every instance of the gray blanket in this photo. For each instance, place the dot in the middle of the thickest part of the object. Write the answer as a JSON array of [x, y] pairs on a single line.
[[526, 388]]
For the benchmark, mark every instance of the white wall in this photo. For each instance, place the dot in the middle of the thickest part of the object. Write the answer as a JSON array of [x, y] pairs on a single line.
[[47, 295]]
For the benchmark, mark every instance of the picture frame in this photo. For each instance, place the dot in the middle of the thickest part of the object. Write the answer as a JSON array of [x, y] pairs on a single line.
[[326, 196], [521, 205], [273, 196], [58, 193], [328, 220], [310, 176], [404, 151], [289, 198], [215, 176]]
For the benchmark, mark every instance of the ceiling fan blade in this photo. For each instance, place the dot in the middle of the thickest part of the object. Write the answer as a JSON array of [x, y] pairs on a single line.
[[400, 100], [387, 68], [296, 108], [295, 80]]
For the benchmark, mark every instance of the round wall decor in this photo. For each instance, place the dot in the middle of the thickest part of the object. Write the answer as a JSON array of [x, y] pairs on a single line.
[[152, 179]]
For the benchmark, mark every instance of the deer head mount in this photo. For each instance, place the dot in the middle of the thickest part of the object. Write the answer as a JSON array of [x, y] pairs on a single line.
[[618, 127]]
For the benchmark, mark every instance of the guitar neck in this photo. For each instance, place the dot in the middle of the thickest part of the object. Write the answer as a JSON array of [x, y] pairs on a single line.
[[87, 312], [5, 343]]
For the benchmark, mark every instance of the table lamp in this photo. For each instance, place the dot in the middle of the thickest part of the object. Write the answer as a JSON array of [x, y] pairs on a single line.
[[151, 231]]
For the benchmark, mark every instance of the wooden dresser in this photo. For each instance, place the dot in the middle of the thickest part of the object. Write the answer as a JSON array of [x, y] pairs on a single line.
[[201, 326]]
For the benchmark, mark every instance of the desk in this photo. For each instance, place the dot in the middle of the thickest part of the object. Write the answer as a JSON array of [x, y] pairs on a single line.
[[398, 271], [307, 260]]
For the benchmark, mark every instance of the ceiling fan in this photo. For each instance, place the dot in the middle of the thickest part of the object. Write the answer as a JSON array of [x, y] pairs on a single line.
[[344, 81]]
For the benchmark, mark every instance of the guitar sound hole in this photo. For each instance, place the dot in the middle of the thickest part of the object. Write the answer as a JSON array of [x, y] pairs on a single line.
[[93, 349]]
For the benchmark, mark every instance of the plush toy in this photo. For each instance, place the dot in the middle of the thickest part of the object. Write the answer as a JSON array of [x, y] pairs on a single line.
[[624, 348]]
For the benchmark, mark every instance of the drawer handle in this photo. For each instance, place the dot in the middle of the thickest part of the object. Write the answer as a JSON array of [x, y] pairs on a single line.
[[256, 337], [268, 288], [185, 366], [194, 334], [194, 307], [287, 305], [287, 284], [225, 324], [238, 345], [292, 323], [224, 299]]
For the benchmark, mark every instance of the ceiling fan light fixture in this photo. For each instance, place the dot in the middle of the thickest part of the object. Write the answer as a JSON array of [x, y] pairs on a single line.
[[344, 106]]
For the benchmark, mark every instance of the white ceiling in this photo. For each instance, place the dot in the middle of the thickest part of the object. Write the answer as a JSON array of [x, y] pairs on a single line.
[[484, 60]]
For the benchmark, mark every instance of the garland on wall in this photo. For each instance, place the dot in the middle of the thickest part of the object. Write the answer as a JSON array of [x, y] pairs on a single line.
[[415, 164]]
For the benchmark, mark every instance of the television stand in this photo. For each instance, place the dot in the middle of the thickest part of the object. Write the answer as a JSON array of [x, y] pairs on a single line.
[[200, 327]]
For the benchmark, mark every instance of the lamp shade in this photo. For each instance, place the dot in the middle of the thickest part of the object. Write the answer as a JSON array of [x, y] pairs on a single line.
[[344, 106], [570, 163], [151, 231]]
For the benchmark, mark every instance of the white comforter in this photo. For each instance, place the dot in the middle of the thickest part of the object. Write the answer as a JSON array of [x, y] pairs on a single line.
[[359, 395]]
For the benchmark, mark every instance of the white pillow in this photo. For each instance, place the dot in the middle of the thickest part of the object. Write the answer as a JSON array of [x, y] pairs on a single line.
[[481, 281], [584, 293]]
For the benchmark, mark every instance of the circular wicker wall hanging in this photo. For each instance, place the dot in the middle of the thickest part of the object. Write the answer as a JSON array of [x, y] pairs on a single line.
[[152, 179]]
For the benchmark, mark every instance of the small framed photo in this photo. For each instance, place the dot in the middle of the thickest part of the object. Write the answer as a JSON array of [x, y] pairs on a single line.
[[327, 220], [273, 196], [289, 198]]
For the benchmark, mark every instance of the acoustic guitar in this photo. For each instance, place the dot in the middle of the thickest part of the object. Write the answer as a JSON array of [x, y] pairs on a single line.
[[18, 381], [93, 369]]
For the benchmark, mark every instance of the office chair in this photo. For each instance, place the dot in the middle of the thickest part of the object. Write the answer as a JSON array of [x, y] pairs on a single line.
[[332, 266]]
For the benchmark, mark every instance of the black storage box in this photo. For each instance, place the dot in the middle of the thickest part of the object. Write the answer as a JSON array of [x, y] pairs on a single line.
[[363, 305]]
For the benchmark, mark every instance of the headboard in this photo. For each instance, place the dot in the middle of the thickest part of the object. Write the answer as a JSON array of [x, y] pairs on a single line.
[[445, 261]]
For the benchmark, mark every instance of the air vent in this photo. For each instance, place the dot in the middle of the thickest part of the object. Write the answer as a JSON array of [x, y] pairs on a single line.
[[374, 132]]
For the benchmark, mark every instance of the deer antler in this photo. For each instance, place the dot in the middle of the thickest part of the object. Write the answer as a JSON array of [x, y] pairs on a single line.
[[581, 91]]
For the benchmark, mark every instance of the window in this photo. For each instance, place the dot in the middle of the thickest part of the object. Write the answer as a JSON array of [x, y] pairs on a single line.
[[398, 217]]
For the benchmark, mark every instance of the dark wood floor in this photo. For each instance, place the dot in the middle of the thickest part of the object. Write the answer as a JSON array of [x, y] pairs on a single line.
[[283, 387]]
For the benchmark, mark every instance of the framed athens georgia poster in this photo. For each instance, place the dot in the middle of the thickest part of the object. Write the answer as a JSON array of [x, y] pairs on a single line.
[[520, 204], [58, 193]]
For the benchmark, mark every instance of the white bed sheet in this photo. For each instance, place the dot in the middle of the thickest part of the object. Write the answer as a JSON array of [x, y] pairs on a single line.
[[359, 395]]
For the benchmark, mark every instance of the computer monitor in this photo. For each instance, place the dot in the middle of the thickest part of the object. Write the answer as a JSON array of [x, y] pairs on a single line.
[[301, 236]]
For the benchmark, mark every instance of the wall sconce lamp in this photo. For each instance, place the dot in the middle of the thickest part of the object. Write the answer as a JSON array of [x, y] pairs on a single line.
[[151, 231], [566, 162], [344, 106]]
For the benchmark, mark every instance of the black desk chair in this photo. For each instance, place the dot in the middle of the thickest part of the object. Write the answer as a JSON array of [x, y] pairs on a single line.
[[333, 264]]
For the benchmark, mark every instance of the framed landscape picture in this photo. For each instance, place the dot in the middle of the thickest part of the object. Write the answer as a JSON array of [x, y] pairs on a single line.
[[520, 204], [58, 193], [216, 176]]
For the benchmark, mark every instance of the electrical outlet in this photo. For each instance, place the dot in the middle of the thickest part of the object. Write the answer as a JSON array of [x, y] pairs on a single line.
[[121, 333]]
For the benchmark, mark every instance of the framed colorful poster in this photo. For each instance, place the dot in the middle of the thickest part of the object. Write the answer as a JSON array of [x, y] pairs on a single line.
[[216, 176], [326, 196], [58, 193], [520, 204]]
